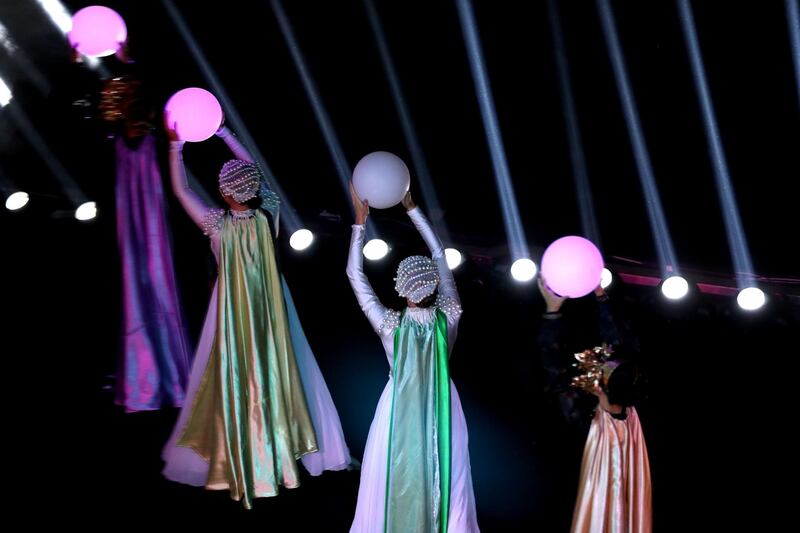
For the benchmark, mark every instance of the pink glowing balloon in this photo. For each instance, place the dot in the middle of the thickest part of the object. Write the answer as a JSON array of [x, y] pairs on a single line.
[[195, 113], [97, 31], [572, 266]]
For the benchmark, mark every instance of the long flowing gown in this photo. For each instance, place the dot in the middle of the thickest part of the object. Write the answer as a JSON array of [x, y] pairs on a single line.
[[154, 361], [256, 399], [381, 468], [614, 490]]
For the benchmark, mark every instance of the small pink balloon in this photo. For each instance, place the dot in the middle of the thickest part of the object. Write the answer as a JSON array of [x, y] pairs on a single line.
[[97, 31], [195, 113], [572, 266]]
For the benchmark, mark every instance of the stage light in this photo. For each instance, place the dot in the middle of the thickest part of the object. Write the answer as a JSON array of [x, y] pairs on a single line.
[[523, 270], [17, 200], [376, 249], [606, 278], [675, 287], [5, 94], [86, 211], [751, 298], [301, 239], [454, 258]]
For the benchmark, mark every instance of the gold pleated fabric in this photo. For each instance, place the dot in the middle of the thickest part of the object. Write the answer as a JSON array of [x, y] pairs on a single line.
[[249, 418]]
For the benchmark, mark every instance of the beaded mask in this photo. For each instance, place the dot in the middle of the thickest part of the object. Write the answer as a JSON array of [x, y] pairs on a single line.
[[417, 278], [241, 180]]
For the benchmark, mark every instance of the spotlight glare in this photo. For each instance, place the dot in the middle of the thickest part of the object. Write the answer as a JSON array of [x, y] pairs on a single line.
[[5, 93], [606, 278], [376, 249], [675, 287], [86, 211], [751, 298], [57, 13], [737, 242], [6, 41], [454, 258], [523, 270], [511, 219], [335, 149], [18, 200], [644, 167], [301, 239]]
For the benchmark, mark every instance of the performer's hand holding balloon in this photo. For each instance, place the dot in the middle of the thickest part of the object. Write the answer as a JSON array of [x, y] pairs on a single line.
[[123, 52], [551, 299], [171, 132], [361, 208], [599, 291], [408, 202], [75, 56], [221, 128]]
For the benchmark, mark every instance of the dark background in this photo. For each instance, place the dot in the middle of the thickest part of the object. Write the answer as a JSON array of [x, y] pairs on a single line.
[[718, 410]]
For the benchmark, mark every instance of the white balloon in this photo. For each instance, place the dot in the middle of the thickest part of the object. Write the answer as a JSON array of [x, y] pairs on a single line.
[[382, 179]]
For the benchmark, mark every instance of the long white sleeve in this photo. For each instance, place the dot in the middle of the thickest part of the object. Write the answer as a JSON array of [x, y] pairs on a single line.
[[376, 312], [195, 207], [447, 284], [238, 149]]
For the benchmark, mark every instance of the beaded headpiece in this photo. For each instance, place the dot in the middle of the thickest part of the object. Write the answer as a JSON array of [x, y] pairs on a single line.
[[417, 278], [240, 180], [596, 365]]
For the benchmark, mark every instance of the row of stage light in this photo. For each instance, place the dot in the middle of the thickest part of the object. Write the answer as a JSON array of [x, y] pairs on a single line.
[[672, 287]]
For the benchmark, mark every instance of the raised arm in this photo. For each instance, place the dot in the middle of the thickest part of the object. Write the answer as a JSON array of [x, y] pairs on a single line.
[[606, 325], [550, 339], [378, 315], [238, 149], [205, 216], [447, 283]]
